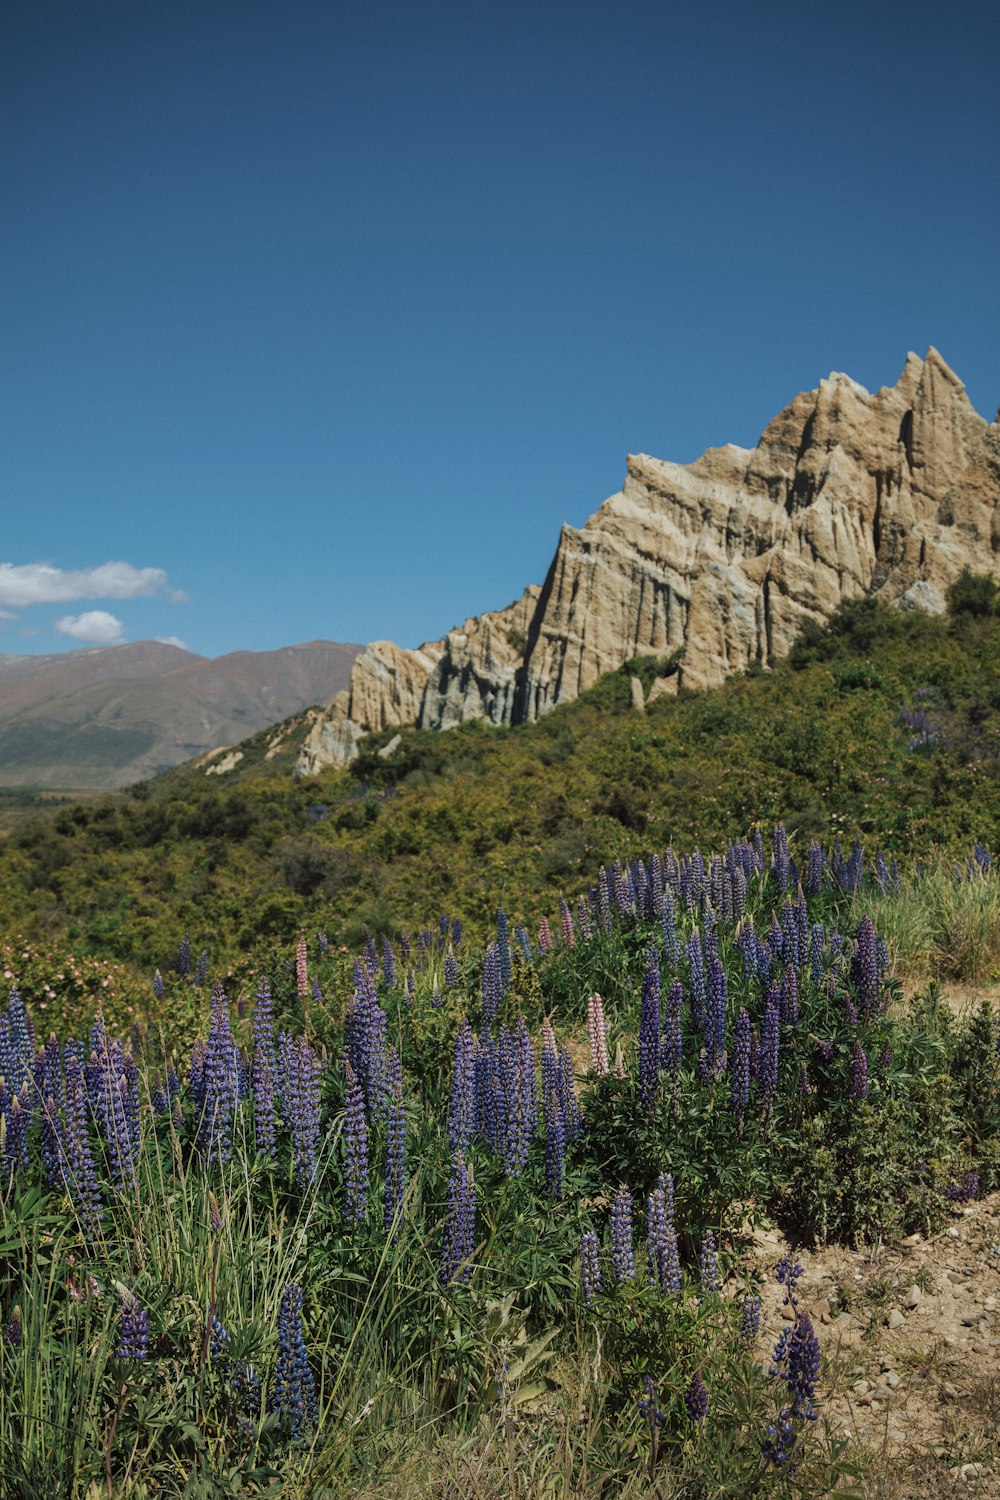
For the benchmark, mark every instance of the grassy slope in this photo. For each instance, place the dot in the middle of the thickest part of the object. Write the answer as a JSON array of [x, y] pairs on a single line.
[[464, 821]]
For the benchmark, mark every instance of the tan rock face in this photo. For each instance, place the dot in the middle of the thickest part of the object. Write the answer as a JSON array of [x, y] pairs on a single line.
[[846, 493]]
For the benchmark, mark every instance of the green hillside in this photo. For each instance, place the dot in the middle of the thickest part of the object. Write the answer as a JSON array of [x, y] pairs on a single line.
[[884, 726]]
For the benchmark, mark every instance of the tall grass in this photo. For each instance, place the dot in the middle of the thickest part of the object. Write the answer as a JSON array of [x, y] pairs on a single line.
[[940, 924]]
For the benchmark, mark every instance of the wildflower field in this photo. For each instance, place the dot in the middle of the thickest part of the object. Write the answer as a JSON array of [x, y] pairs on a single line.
[[479, 1221]]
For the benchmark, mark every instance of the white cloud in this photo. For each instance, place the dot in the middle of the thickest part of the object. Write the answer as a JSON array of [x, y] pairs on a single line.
[[41, 583], [5, 614], [172, 640], [95, 626]]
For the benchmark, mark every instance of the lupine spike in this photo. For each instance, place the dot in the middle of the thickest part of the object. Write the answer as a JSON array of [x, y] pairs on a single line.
[[355, 1147], [395, 1146], [649, 1031], [622, 1252], [294, 1386], [459, 1226], [590, 1267]]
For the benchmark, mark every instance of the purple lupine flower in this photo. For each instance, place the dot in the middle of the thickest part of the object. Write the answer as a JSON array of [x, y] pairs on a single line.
[[715, 1014], [263, 1026], [859, 1073], [184, 958], [323, 943], [459, 1240], [812, 882], [556, 1129], [544, 936], [242, 1074], [769, 1051], [503, 952], [52, 1147], [739, 1078], [450, 971], [300, 1089], [649, 1031], [112, 1086], [749, 1321], [200, 970], [566, 924], [220, 1086], [79, 1175], [522, 1102], [158, 985], [648, 1404], [11, 1125], [790, 934], [456, 932], [133, 1330], [864, 968], [789, 1003], [966, 1191], [816, 945], [388, 965], [802, 1368], [355, 1147], [16, 1046], [365, 1029], [492, 985], [786, 1274], [708, 1265], [395, 1146], [739, 882], [437, 999], [668, 932], [696, 968], [13, 1333], [583, 920], [555, 1143], [696, 1398], [780, 866], [672, 1040], [461, 1110], [590, 1267], [567, 1094], [294, 1386], [661, 1242], [622, 1253], [603, 899], [263, 1106], [521, 939]]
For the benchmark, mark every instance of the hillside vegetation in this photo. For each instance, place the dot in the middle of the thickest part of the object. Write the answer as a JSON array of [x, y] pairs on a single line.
[[495, 1209], [884, 727]]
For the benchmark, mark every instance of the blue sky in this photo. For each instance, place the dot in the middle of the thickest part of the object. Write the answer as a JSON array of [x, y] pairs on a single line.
[[319, 319]]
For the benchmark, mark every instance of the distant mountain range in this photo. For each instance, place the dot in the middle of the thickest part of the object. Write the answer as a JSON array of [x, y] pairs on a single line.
[[112, 715]]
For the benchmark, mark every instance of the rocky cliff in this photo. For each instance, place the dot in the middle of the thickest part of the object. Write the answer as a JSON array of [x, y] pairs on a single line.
[[722, 560]]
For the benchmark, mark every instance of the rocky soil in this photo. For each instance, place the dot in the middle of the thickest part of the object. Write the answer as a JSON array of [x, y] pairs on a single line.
[[911, 1344]]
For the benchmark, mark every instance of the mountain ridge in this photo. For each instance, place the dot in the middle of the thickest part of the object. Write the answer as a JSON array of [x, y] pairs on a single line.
[[718, 563], [113, 715]]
